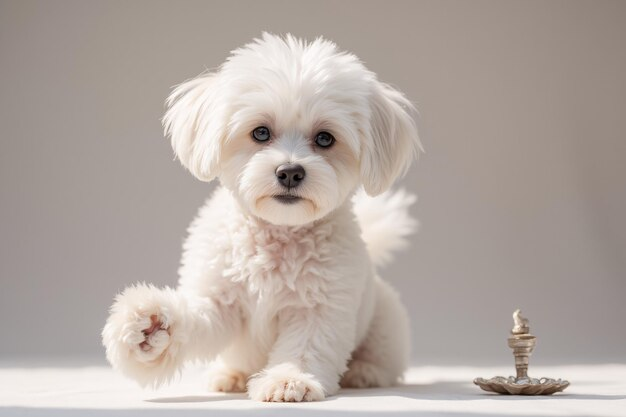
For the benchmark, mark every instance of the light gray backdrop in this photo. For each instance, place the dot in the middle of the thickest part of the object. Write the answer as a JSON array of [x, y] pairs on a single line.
[[522, 189]]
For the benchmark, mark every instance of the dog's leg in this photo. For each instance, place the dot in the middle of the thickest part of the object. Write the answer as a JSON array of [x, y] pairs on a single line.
[[226, 378], [311, 351], [151, 332], [383, 356], [243, 357]]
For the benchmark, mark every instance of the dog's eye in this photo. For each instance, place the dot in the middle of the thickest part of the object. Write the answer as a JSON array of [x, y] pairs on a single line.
[[261, 134], [324, 139]]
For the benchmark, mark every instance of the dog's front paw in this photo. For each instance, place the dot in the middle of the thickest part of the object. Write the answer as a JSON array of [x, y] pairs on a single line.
[[148, 336], [144, 333], [284, 383]]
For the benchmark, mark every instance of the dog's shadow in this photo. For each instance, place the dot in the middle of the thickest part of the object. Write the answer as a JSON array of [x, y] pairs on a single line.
[[436, 391], [212, 397]]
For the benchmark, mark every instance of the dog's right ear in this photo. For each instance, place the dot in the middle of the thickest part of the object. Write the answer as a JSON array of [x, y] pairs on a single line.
[[196, 123]]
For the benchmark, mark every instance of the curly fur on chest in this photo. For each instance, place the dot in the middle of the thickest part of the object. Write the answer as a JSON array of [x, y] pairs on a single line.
[[270, 260], [260, 264]]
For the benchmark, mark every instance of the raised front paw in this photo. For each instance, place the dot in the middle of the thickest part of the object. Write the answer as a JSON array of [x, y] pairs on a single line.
[[283, 383], [148, 336], [144, 333]]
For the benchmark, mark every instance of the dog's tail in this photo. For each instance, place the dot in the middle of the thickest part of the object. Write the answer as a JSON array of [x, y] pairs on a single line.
[[385, 222]]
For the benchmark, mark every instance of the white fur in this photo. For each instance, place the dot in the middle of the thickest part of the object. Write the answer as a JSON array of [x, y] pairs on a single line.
[[385, 221], [283, 296]]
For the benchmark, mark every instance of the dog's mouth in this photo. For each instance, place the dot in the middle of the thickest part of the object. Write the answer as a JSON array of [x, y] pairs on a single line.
[[287, 198]]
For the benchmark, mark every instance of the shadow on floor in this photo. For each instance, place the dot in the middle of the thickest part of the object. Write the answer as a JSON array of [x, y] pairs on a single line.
[[460, 391], [198, 398], [438, 391]]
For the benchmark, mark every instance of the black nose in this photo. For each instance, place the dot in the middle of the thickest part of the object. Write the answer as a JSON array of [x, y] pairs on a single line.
[[290, 175]]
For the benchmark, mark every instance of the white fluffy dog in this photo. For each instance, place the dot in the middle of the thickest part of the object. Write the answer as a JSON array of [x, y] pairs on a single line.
[[278, 285]]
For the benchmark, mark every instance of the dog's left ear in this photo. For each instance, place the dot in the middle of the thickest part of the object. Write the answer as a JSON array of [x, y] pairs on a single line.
[[196, 122], [392, 142]]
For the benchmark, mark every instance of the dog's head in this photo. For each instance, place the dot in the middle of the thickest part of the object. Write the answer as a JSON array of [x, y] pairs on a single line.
[[292, 128]]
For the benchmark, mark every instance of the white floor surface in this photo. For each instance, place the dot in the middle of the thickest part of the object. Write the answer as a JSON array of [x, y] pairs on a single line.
[[596, 390]]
